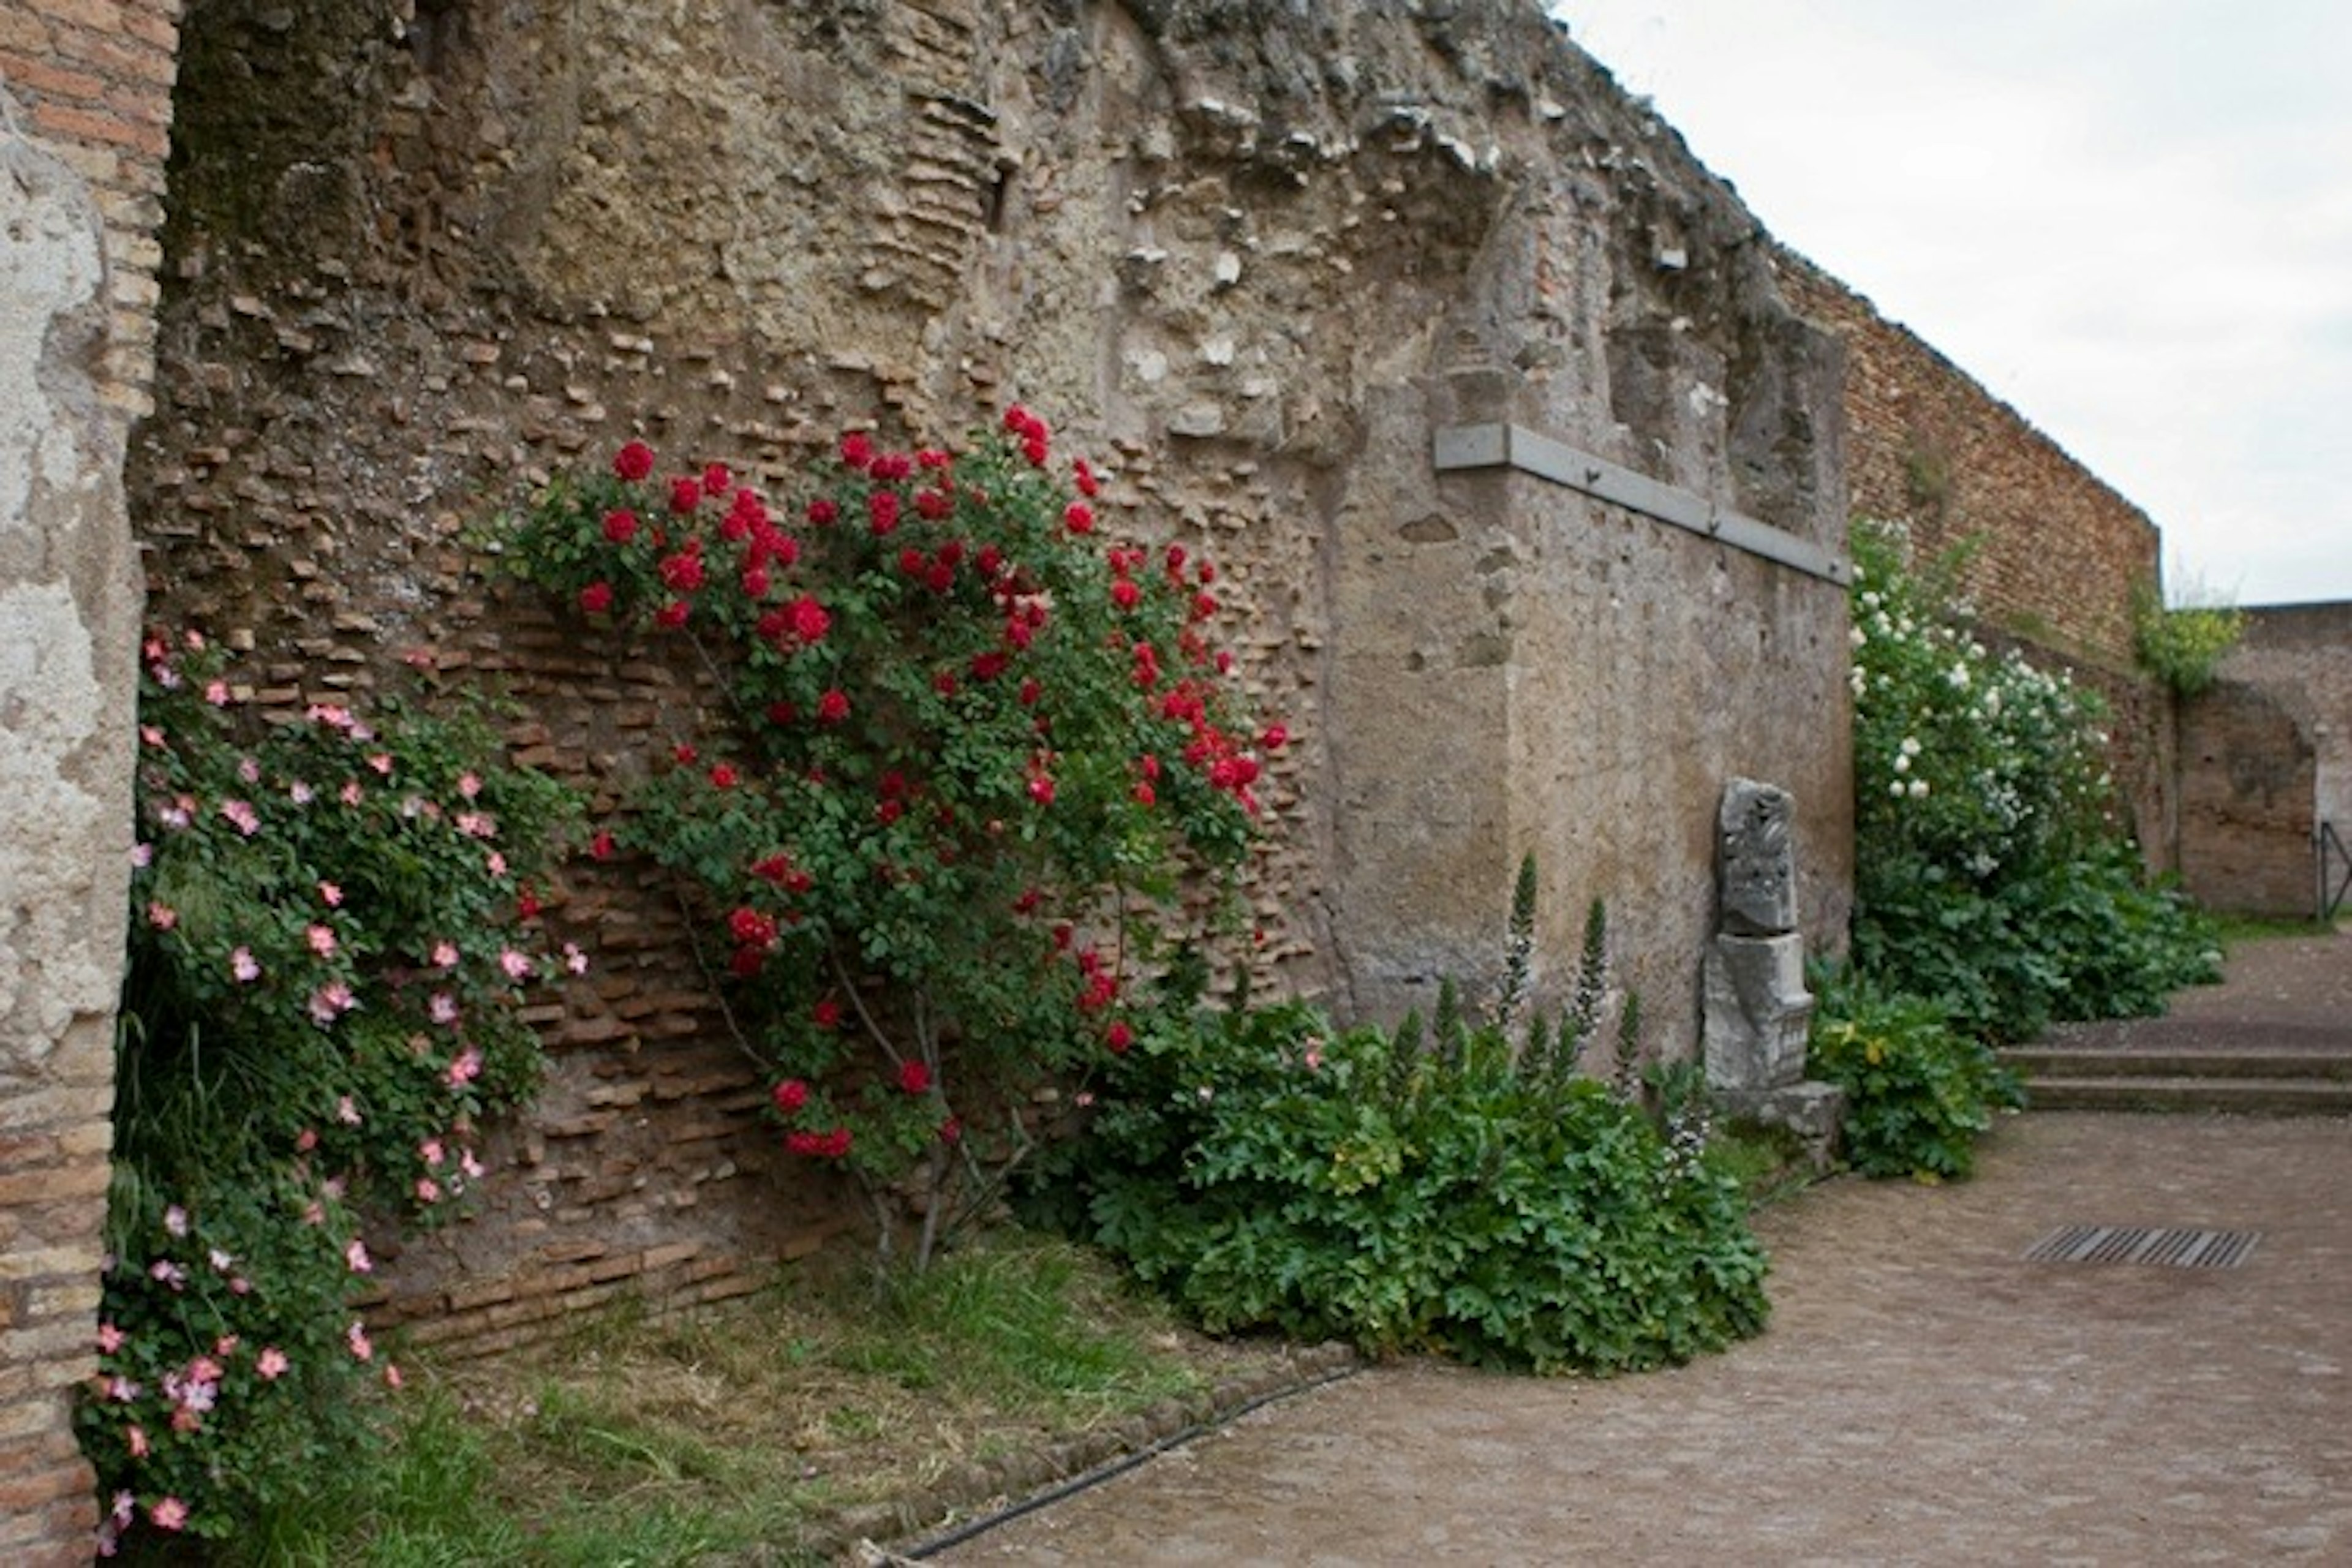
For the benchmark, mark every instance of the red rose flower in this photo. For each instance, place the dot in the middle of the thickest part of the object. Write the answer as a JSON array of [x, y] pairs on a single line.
[[1030, 692], [755, 582], [882, 511], [856, 449], [723, 777], [745, 962], [1125, 594], [914, 1077], [1088, 486], [1119, 1037], [751, 928], [790, 1095], [827, 1015], [685, 495], [950, 1130], [1041, 789], [596, 598], [716, 479], [823, 512], [634, 461], [672, 616], [1274, 738], [934, 504], [683, 571], [1145, 795], [809, 620], [889, 811], [1079, 517], [620, 525], [833, 707], [601, 846]]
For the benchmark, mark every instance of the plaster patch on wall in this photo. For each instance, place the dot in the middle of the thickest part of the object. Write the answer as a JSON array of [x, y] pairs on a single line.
[[50, 699], [50, 265]]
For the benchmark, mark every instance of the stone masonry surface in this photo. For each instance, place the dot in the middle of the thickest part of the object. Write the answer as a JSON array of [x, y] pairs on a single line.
[[68, 629], [418, 259]]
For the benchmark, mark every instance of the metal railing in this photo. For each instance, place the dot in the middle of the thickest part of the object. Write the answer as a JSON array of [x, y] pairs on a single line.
[[2328, 852]]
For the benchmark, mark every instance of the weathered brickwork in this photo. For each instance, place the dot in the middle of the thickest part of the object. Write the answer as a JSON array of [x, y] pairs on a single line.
[[2054, 556], [2266, 758], [414, 269], [85, 108]]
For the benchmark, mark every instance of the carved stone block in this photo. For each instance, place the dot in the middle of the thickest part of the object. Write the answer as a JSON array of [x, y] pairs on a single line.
[[1757, 860]]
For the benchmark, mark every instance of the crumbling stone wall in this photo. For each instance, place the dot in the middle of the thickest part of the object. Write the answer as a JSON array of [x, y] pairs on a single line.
[[2055, 554], [68, 629], [2266, 757], [1252, 256]]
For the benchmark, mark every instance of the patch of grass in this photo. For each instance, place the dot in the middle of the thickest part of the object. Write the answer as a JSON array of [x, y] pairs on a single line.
[[2236, 929], [741, 1434], [1769, 1163]]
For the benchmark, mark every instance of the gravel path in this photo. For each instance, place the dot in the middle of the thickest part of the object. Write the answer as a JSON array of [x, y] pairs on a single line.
[[1925, 1395]]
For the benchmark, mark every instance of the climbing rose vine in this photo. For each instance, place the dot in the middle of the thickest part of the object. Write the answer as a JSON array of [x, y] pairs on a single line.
[[969, 762]]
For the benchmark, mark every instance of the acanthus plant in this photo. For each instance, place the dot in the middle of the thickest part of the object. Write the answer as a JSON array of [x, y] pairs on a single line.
[[973, 765]]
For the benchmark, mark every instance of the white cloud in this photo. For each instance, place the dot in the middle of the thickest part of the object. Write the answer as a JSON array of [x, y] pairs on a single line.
[[2131, 220]]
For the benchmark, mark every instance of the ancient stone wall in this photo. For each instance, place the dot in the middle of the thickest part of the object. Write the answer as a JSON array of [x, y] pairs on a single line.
[[2053, 556], [85, 98], [421, 257], [2266, 758]]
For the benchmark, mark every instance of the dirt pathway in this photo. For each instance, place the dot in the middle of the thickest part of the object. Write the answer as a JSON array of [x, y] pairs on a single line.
[[1925, 1395]]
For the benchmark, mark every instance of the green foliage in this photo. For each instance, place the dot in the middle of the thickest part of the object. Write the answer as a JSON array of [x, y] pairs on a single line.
[[1519, 946], [1263, 1171], [2183, 646], [1918, 1092], [1992, 876], [972, 762], [332, 926], [1268, 1170]]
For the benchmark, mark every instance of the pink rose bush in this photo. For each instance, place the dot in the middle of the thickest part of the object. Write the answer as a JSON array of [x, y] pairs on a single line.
[[322, 1008]]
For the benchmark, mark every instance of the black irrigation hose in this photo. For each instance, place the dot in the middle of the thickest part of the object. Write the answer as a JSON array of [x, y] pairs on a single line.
[[1111, 1469]]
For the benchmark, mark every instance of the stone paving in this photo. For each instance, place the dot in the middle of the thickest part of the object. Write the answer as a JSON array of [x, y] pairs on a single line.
[[1924, 1394]]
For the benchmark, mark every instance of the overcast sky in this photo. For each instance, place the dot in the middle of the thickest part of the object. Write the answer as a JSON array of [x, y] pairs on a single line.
[[2129, 219]]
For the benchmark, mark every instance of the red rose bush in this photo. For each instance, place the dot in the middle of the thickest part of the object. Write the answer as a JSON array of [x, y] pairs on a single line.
[[965, 759]]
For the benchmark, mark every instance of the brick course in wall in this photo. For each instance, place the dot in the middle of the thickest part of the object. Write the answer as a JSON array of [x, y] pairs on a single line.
[[90, 83], [2053, 554], [2266, 758]]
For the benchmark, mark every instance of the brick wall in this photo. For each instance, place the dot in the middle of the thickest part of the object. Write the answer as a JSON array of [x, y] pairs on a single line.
[[85, 84], [2266, 756], [2055, 554]]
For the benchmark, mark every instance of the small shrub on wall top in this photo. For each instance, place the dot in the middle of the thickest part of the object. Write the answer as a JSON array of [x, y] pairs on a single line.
[[333, 926], [1990, 875], [967, 749]]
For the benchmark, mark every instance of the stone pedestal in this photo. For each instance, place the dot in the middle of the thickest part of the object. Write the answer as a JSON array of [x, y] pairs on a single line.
[[1757, 1012]]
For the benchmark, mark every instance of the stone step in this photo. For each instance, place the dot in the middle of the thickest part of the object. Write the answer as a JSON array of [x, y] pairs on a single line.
[[2076, 1062], [2238, 1096]]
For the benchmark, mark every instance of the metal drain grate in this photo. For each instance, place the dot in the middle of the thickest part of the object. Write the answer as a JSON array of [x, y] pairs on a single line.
[[2138, 1244]]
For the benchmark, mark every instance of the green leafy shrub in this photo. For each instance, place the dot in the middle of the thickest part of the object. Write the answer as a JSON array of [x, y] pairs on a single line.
[[1918, 1092], [1451, 1188], [2183, 646], [1992, 876], [1267, 1171], [332, 928], [970, 758]]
